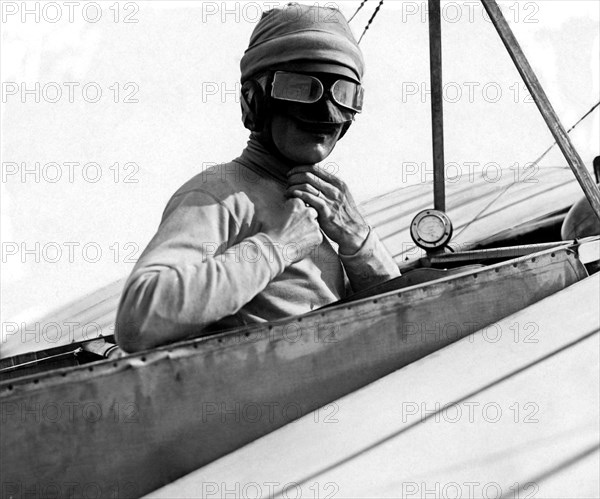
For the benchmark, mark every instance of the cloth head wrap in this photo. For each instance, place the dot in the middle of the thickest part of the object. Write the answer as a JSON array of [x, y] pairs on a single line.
[[303, 37]]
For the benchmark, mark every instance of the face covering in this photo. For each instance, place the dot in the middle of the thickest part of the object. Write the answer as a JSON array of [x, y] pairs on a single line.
[[323, 111]]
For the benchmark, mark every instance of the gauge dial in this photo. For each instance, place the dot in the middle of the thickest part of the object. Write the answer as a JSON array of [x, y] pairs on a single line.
[[431, 229]]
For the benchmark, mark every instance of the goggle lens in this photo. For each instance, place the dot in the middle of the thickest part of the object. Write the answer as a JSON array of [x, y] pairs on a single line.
[[308, 89], [348, 94], [297, 88]]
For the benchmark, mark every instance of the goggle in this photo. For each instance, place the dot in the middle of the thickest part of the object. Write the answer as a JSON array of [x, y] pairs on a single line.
[[306, 89]]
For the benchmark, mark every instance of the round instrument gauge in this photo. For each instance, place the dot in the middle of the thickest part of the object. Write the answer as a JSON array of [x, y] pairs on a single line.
[[431, 229]]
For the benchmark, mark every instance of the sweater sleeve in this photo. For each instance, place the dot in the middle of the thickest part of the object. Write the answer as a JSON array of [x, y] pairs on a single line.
[[193, 273], [372, 264]]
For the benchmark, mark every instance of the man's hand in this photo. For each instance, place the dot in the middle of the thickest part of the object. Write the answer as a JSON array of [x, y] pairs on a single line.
[[338, 215], [295, 230]]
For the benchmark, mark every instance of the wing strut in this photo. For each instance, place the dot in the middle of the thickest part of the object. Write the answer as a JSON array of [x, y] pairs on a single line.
[[539, 96], [437, 104]]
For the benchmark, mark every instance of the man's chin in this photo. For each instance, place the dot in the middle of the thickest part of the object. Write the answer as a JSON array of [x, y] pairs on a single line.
[[303, 141], [312, 153]]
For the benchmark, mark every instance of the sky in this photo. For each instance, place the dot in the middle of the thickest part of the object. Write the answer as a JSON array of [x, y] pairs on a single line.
[[109, 107]]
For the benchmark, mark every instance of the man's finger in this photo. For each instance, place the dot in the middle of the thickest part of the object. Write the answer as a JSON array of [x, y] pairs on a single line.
[[319, 185], [313, 213], [317, 202], [311, 189]]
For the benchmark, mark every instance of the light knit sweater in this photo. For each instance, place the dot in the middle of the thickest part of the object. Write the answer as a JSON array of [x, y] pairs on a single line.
[[211, 267]]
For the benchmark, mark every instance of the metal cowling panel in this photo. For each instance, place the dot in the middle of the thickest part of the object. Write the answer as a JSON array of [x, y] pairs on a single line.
[[127, 427]]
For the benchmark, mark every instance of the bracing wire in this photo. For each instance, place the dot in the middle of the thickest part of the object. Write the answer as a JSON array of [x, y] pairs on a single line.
[[535, 163], [358, 10], [371, 20], [543, 155]]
